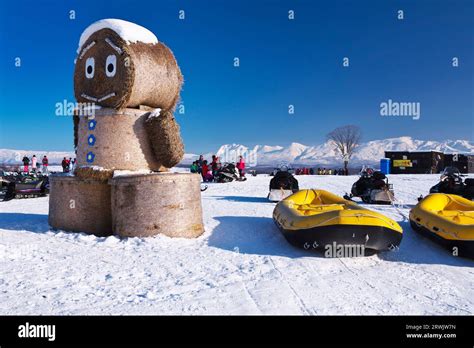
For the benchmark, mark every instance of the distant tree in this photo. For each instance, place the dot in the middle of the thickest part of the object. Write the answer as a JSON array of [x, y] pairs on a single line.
[[345, 139]]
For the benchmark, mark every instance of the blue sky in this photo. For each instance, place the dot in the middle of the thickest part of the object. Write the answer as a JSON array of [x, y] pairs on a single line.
[[282, 62]]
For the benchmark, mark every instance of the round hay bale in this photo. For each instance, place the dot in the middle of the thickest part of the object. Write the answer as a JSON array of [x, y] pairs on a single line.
[[165, 138], [113, 140], [113, 72], [80, 205], [157, 203], [89, 173]]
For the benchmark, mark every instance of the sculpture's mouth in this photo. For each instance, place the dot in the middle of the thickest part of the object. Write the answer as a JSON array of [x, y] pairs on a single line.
[[101, 99]]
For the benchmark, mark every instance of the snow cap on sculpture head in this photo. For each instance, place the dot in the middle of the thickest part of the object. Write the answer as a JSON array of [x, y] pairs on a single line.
[[121, 64]]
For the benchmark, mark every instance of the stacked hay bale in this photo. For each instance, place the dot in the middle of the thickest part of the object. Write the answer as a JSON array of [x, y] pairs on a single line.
[[145, 205], [80, 205], [136, 81], [114, 139]]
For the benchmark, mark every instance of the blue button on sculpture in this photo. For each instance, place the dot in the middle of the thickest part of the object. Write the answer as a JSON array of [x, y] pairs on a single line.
[[91, 140], [90, 157], [92, 124]]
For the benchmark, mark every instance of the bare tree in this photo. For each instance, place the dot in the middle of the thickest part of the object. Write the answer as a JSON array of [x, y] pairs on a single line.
[[345, 139]]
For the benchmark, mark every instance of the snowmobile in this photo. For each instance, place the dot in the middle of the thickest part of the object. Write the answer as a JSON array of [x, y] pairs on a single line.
[[373, 188], [282, 167], [282, 185], [451, 182], [23, 186], [228, 173], [6, 188]]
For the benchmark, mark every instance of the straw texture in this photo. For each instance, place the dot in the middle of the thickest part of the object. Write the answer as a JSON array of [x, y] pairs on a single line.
[[164, 134], [146, 74], [80, 205], [158, 203], [114, 140]]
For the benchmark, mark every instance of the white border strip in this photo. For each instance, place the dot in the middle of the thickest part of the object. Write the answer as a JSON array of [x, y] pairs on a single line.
[[87, 48], [107, 96], [114, 46], [83, 95]]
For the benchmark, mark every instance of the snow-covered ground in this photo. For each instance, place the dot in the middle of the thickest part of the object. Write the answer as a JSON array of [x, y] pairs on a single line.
[[241, 265]]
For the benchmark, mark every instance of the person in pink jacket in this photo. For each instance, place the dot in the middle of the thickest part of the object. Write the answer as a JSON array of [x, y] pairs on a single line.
[[241, 167], [34, 163]]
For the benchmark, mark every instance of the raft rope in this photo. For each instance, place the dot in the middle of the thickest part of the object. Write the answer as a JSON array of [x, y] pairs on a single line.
[[394, 202]]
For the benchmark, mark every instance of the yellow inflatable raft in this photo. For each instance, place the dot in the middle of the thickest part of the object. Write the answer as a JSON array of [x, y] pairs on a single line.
[[318, 219], [447, 219]]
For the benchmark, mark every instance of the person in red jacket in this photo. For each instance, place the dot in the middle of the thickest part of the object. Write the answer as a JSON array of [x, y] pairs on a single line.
[[45, 163], [205, 172], [241, 167], [64, 165]]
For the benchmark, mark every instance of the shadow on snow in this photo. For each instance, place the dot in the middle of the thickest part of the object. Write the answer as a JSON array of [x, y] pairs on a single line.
[[243, 199], [252, 235], [260, 236], [37, 223]]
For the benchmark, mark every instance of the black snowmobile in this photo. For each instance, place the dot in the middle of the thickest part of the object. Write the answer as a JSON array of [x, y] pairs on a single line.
[[282, 167], [282, 185], [373, 188], [451, 182], [23, 186], [228, 173]]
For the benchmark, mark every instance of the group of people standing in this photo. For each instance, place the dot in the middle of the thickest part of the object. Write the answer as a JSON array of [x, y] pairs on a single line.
[[35, 165], [325, 171], [320, 171], [209, 171], [67, 164]]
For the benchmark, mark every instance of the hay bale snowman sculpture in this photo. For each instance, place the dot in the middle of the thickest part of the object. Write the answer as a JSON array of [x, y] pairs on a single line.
[[125, 147]]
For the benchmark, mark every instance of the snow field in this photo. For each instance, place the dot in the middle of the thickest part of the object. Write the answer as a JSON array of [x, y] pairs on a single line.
[[241, 265]]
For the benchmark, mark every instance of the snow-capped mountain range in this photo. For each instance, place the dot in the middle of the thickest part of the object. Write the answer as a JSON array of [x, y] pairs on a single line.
[[264, 155], [8, 156], [325, 154]]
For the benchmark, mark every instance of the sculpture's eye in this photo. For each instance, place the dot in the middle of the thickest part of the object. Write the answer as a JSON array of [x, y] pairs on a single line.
[[110, 65], [90, 67]]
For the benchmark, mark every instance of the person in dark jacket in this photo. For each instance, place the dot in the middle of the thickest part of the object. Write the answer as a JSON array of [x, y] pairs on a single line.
[[199, 163], [215, 165], [26, 162]]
